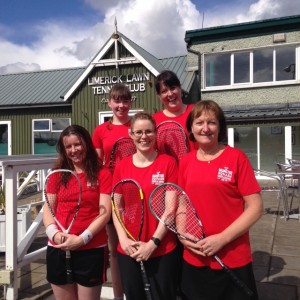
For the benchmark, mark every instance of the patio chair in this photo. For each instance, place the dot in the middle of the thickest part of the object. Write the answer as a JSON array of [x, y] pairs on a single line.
[[278, 185], [294, 166]]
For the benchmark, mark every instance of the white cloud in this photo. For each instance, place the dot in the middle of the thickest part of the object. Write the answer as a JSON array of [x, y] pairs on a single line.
[[156, 25], [266, 9], [19, 67]]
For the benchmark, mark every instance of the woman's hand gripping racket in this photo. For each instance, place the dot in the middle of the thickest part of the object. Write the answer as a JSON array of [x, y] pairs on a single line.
[[171, 139], [122, 148], [171, 206], [128, 205], [63, 196]]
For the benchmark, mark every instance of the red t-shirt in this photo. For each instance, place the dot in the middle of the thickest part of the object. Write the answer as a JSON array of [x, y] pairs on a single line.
[[106, 134], [160, 117], [163, 169], [216, 190], [89, 205]]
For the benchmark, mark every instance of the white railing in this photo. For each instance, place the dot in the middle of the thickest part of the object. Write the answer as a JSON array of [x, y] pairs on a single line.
[[16, 254]]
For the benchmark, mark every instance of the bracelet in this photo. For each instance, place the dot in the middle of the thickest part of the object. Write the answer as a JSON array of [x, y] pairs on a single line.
[[86, 236], [51, 231], [156, 241]]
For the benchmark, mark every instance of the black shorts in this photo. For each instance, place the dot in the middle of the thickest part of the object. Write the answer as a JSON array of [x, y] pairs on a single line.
[[88, 266]]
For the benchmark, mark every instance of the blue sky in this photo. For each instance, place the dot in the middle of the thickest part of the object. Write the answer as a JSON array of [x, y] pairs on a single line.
[[47, 34]]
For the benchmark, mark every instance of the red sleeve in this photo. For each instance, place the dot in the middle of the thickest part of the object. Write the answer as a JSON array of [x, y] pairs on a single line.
[[172, 175], [96, 138], [105, 179], [53, 183], [117, 174]]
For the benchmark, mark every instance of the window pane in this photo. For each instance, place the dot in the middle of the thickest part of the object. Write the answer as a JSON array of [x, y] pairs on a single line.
[[241, 67], [45, 142], [60, 124], [263, 65], [41, 125], [245, 138], [285, 63], [217, 69], [271, 147]]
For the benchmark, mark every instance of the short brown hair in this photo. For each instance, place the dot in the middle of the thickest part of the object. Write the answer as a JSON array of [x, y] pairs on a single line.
[[209, 106], [119, 91]]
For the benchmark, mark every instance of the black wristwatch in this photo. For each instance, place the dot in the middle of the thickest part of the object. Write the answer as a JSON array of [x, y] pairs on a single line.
[[156, 241]]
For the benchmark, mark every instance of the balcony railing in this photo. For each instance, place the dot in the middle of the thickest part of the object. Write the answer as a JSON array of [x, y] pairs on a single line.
[[17, 256]]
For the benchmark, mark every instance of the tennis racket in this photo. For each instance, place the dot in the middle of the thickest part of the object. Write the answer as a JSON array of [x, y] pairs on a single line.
[[128, 205], [122, 148], [170, 205], [171, 139], [63, 196]]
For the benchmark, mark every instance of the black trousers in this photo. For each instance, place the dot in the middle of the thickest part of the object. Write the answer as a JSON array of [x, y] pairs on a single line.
[[203, 283], [162, 271]]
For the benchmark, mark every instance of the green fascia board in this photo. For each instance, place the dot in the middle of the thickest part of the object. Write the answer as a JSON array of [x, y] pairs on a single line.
[[256, 28]]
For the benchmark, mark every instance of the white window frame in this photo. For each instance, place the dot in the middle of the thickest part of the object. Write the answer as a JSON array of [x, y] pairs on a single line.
[[45, 130], [251, 83], [104, 114], [8, 123]]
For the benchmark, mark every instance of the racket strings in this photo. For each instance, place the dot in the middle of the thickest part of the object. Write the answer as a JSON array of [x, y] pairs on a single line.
[[171, 140], [122, 148], [63, 199], [173, 208], [128, 207]]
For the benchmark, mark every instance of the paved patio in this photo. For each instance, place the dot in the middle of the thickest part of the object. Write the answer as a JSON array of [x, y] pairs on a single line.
[[276, 252]]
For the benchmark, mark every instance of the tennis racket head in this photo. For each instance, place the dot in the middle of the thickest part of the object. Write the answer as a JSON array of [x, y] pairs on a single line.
[[171, 139], [122, 148], [62, 193], [170, 205], [128, 205]]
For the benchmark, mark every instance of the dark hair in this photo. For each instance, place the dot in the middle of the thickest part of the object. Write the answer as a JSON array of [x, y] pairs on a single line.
[[208, 106], [119, 91], [168, 78], [142, 116], [92, 163]]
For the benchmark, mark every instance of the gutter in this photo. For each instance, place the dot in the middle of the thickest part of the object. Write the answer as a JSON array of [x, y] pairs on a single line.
[[199, 67]]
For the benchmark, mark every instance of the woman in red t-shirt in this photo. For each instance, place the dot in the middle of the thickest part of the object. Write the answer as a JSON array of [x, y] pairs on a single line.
[[104, 137], [87, 238], [220, 183], [158, 246], [169, 91]]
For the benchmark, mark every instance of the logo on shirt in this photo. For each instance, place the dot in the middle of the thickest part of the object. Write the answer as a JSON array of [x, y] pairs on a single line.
[[225, 174], [158, 178]]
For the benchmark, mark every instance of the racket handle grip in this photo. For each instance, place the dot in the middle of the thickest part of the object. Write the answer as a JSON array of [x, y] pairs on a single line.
[[239, 283], [146, 282], [69, 267]]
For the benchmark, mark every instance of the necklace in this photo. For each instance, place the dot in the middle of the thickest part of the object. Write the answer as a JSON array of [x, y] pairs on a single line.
[[208, 156]]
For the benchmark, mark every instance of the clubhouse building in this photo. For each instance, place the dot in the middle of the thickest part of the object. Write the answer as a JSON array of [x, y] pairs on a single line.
[[251, 69]]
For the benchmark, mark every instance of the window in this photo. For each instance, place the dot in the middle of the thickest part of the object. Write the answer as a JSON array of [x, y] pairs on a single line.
[[250, 67], [264, 145], [241, 67], [46, 133], [217, 68], [263, 65], [285, 63]]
